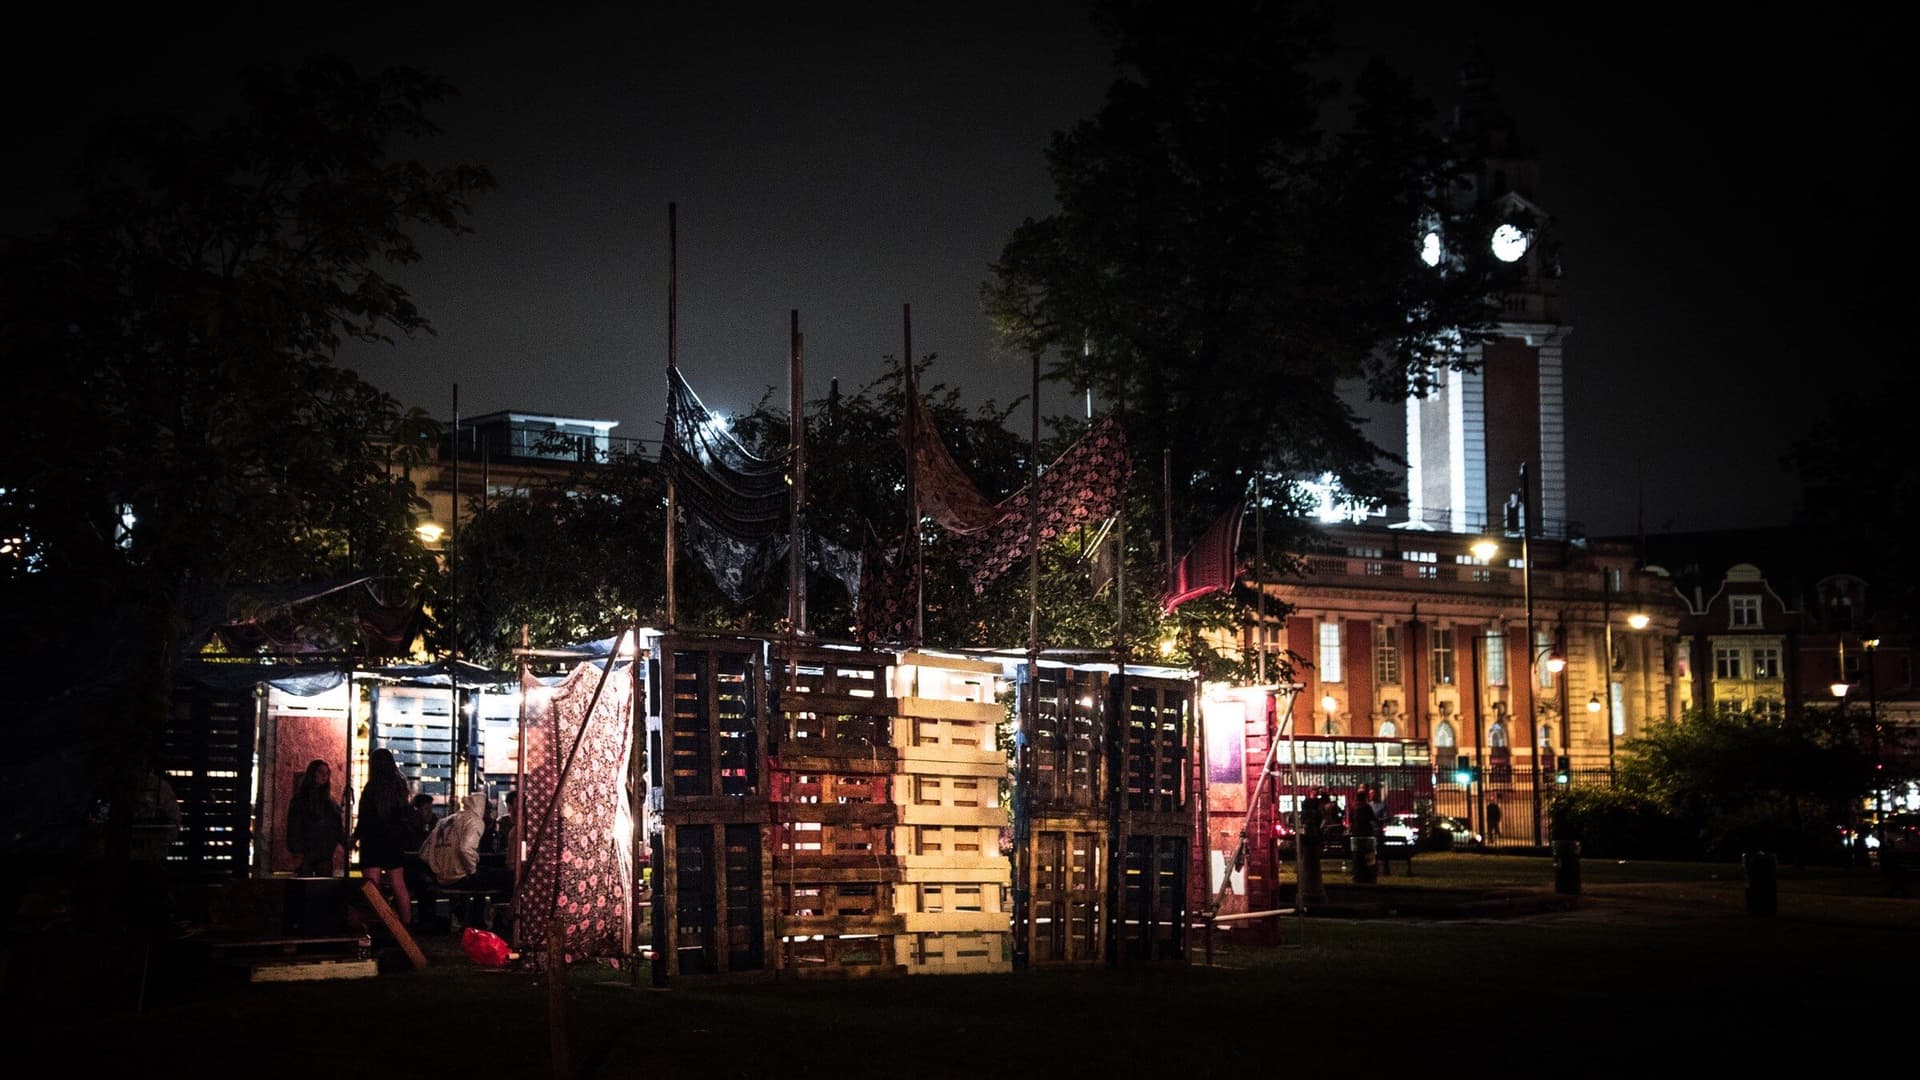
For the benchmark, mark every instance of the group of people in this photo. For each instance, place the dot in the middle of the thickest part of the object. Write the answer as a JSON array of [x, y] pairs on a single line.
[[1364, 814], [399, 837]]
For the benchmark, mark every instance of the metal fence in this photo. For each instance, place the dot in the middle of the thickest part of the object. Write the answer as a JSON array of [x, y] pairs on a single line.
[[1503, 812]]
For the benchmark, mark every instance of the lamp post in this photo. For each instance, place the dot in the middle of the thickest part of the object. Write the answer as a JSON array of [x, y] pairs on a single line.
[[1872, 645], [1533, 654], [1638, 620], [1330, 704]]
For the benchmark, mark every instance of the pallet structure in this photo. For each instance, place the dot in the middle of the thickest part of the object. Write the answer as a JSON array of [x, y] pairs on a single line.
[[954, 894], [1109, 801], [708, 804], [830, 811]]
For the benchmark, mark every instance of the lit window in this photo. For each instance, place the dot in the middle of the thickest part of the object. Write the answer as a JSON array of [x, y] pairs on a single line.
[[1542, 649], [1746, 611], [1386, 655], [1726, 664], [1330, 652], [1496, 648], [1766, 662], [1443, 655]]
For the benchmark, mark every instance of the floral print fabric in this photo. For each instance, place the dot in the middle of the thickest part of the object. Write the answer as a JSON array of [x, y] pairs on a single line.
[[582, 872]]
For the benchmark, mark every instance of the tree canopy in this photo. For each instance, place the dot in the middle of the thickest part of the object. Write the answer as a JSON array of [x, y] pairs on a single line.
[[180, 424], [1225, 252], [1781, 782]]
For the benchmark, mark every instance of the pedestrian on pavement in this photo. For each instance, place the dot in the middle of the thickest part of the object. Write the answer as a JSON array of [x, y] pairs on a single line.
[[1493, 821]]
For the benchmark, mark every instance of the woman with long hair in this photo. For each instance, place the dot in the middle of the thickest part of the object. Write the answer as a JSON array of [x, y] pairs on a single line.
[[314, 827], [385, 820]]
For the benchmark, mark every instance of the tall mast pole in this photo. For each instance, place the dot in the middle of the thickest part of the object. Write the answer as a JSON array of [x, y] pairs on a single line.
[[1259, 581], [797, 490], [911, 382], [453, 613], [1533, 651], [673, 364]]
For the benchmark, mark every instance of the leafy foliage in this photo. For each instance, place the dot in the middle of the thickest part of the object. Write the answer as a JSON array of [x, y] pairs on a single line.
[[181, 426], [1221, 260], [1743, 779]]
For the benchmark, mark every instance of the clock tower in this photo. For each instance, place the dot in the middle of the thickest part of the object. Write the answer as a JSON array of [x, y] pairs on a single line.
[[1469, 435]]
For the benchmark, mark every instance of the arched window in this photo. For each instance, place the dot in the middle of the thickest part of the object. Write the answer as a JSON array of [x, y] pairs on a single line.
[[1443, 735], [1387, 730], [1332, 727], [1546, 736], [1497, 735]]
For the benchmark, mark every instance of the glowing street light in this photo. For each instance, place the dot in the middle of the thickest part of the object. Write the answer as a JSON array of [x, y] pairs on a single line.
[[429, 532], [1639, 620], [1484, 549], [1593, 703]]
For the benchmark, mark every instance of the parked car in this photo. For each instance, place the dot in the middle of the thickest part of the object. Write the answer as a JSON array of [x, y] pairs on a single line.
[[1899, 837], [1461, 830]]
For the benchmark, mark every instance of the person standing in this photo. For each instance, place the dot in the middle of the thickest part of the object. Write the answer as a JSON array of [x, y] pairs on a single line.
[[386, 823], [1493, 821], [1360, 817], [314, 826]]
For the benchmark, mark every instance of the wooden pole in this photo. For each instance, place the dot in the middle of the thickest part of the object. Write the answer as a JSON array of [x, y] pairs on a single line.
[[1030, 713], [453, 614], [673, 363], [393, 924], [559, 1043], [514, 847], [797, 490], [1259, 580], [911, 381]]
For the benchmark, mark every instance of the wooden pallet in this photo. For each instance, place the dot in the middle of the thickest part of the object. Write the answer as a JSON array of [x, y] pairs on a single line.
[[313, 970]]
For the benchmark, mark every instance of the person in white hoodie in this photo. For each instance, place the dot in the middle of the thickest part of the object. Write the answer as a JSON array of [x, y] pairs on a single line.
[[452, 850]]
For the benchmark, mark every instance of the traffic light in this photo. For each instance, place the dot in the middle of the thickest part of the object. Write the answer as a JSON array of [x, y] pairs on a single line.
[[1564, 774], [1463, 770]]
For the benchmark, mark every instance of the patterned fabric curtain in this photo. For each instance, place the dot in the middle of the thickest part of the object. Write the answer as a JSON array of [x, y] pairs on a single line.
[[583, 872], [1210, 565], [1084, 485], [941, 489]]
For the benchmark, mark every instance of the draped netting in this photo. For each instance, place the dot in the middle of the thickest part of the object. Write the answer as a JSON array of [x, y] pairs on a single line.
[[736, 503], [742, 495]]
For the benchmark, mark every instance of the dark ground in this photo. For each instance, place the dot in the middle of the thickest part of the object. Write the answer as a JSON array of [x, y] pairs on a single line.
[[1658, 968]]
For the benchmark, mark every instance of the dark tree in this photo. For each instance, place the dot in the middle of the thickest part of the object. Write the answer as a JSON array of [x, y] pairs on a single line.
[[1225, 252], [180, 426], [573, 561], [1744, 779]]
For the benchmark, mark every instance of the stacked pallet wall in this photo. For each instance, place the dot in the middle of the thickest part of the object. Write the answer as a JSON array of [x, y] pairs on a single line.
[[708, 817], [1154, 855], [1070, 825], [953, 898], [836, 795]]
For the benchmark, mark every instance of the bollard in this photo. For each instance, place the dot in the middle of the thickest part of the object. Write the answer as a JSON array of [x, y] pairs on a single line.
[[1566, 866], [1366, 859], [1763, 894]]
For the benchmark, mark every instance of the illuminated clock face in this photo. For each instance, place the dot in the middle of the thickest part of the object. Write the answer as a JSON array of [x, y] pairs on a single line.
[[1509, 243], [1430, 249]]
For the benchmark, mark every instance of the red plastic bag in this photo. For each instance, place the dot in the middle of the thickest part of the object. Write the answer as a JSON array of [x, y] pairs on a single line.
[[487, 950]]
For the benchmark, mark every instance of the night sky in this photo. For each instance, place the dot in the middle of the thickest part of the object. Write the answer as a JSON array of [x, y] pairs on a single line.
[[1732, 241]]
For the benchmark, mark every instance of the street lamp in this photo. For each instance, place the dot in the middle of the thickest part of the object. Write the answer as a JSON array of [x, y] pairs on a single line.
[[1638, 620], [1872, 645], [1593, 703], [1331, 704]]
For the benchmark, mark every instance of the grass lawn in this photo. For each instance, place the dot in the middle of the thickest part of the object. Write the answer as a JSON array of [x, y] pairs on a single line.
[[1658, 969]]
